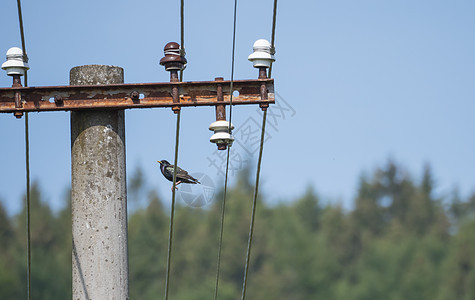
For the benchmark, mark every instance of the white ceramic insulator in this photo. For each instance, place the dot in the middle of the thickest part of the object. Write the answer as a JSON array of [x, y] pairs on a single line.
[[262, 55], [222, 137], [221, 133], [220, 125], [15, 64]]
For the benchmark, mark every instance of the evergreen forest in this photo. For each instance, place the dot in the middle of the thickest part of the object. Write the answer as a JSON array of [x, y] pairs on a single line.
[[398, 241]]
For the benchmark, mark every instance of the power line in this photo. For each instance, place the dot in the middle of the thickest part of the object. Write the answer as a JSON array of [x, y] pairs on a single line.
[[274, 16], [172, 214], [259, 161], [232, 71], [177, 139], [254, 204], [182, 30], [27, 160], [22, 36], [223, 208]]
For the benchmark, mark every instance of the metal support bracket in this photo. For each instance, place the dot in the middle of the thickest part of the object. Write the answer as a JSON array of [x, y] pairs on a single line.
[[139, 95]]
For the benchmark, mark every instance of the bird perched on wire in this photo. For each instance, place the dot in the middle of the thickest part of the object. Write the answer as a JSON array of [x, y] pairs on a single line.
[[182, 176]]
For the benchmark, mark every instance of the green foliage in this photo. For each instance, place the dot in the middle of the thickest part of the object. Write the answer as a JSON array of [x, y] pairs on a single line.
[[397, 243]]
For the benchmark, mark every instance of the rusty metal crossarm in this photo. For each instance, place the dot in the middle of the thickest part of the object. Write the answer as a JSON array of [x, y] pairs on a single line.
[[139, 95]]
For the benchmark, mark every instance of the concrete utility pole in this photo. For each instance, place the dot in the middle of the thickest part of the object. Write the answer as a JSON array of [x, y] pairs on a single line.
[[99, 194]]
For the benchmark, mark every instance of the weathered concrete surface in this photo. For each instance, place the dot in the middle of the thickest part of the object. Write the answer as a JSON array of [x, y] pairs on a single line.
[[99, 195]]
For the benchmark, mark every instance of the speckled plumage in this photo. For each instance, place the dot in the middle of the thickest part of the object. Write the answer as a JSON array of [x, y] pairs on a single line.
[[182, 176]]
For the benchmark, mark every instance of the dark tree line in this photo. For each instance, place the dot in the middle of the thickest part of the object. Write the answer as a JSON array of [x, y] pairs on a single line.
[[398, 242]]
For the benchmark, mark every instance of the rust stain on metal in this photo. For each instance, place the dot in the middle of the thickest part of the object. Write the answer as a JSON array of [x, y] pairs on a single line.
[[220, 108], [126, 96]]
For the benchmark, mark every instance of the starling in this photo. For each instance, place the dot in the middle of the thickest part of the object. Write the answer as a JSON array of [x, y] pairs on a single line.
[[182, 176]]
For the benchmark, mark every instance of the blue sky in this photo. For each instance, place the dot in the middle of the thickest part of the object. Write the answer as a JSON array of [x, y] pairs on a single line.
[[362, 81]]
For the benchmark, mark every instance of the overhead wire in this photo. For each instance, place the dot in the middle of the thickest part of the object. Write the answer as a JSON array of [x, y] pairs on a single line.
[[223, 205], [259, 161], [182, 31], [177, 139], [27, 159], [274, 17], [172, 214]]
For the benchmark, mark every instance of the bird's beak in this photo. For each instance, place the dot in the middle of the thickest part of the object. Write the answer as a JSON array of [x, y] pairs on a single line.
[[159, 161]]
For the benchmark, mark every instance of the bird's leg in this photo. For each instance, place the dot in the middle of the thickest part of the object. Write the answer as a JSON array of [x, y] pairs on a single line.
[[176, 185]]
